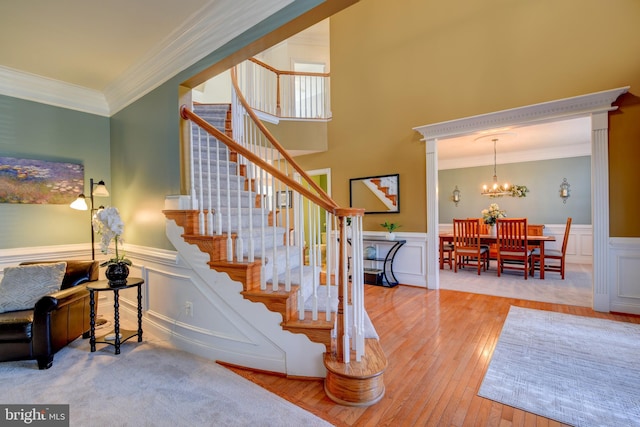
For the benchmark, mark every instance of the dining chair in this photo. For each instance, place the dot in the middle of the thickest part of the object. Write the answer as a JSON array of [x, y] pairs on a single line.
[[466, 245], [512, 245], [491, 247], [553, 254], [535, 230], [447, 255]]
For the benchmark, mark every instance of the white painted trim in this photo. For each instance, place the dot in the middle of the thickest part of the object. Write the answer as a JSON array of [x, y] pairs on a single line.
[[577, 106], [410, 263], [624, 272], [595, 105], [207, 30], [31, 87]]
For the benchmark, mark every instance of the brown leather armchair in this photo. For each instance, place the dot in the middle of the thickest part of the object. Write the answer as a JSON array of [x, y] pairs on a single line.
[[55, 321]]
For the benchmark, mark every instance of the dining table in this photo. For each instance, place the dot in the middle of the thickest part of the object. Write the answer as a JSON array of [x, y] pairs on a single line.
[[487, 239]]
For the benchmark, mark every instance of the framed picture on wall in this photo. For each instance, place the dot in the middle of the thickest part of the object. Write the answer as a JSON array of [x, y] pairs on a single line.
[[35, 181], [283, 199]]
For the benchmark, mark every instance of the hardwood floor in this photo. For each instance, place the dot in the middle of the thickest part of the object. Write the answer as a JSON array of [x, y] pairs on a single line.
[[439, 344]]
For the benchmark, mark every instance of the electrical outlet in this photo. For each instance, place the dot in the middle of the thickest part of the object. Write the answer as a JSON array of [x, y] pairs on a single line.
[[188, 308]]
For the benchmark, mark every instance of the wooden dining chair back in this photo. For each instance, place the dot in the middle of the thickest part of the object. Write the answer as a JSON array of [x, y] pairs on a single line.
[[484, 229], [513, 252], [466, 245], [557, 256], [535, 230]]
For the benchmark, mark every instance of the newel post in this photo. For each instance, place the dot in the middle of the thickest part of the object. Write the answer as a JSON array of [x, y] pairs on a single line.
[[344, 295]]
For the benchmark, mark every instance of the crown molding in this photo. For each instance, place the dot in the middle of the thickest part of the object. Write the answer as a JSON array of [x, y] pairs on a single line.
[[217, 23], [206, 31], [31, 87], [538, 113]]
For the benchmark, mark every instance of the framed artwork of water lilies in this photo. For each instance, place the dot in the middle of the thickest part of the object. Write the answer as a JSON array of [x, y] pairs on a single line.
[[32, 181]]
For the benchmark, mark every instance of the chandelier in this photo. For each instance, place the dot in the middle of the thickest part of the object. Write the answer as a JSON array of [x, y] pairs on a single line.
[[496, 190]]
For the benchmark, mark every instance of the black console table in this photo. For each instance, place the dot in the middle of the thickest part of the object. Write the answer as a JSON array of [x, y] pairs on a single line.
[[380, 270], [119, 335]]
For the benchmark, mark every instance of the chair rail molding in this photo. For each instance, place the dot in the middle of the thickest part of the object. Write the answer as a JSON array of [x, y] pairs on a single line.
[[596, 106]]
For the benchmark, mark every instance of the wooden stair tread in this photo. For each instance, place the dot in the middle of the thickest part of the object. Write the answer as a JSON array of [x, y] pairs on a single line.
[[373, 362], [321, 323]]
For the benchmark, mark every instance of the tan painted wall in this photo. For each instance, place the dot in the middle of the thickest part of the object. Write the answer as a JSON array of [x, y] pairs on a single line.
[[398, 65], [300, 135]]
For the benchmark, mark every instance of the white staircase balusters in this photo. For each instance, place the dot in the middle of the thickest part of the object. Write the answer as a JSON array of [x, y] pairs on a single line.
[[194, 200], [279, 260], [357, 289], [239, 233], [209, 190], [228, 185], [201, 225], [329, 263], [218, 216]]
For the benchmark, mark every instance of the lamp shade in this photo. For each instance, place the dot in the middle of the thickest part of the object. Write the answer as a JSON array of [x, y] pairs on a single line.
[[101, 190], [80, 203]]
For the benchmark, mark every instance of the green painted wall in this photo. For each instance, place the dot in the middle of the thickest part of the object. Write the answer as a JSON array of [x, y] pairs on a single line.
[[32, 130], [145, 142], [542, 205]]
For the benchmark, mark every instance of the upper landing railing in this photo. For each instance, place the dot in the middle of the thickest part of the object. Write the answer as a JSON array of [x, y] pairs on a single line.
[[284, 94]]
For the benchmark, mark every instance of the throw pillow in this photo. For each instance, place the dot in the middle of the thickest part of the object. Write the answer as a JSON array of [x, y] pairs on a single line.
[[21, 287]]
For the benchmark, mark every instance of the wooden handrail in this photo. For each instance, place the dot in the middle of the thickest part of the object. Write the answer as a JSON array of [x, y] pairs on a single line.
[[287, 73], [325, 202], [274, 142]]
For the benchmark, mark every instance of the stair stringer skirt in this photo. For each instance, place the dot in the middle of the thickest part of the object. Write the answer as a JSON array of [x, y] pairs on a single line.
[[262, 343]]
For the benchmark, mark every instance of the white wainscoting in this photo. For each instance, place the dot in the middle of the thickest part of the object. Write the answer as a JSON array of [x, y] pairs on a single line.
[[410, 263], [213, 330], [168, 284], [624, 272]]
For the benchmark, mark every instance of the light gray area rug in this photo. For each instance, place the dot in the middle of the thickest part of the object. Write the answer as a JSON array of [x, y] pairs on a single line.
[[577, 370], [148, 384], [576, 289]]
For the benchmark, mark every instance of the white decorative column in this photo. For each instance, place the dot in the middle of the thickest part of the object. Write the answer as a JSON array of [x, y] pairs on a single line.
[[433, 278], [600, 209]]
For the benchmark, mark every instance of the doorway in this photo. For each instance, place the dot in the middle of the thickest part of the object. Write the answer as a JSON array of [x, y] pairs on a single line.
[[596, 106]]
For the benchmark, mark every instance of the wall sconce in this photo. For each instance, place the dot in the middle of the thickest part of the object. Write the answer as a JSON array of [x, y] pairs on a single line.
[[81, 204], [564, 190], [455, 196]]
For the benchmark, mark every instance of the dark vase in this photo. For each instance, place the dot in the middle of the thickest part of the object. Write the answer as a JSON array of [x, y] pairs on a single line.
[[117, 274]]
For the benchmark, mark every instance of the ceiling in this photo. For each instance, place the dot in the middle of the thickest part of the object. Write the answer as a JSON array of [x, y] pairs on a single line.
[[93, 50], [552, 140], [88, 43], [98, 56]]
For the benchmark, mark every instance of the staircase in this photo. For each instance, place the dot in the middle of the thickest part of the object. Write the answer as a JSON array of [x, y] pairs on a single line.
[[236, 224]]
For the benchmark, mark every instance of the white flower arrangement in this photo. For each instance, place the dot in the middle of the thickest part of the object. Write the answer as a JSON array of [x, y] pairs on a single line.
[[108, 224], [519, 191], [494, 212]]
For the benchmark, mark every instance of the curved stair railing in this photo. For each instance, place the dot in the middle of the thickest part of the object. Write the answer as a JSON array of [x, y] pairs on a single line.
[[283, 93], [255, 205]]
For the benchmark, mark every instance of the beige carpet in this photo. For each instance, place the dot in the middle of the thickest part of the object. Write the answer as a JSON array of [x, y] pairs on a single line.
[[576, 289], [577, 370], [148, 384]]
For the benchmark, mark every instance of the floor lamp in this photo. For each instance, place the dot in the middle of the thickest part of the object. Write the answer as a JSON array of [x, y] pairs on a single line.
[[80, 204]]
